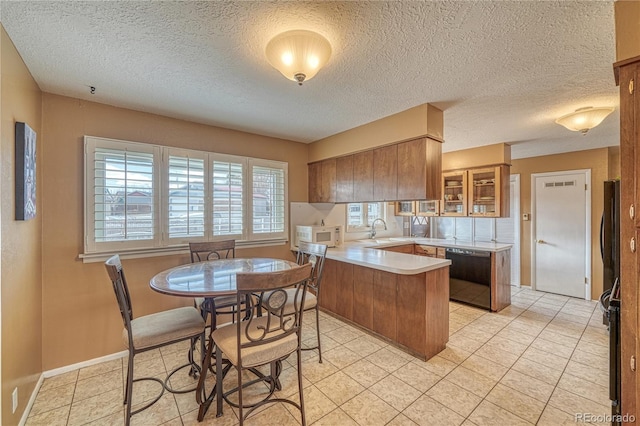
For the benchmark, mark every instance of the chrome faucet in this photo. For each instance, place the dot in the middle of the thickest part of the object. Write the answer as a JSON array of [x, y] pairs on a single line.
[[373, 227]]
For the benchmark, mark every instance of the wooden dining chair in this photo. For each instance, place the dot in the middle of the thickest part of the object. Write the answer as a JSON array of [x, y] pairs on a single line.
[[150, 332], [255, 341]]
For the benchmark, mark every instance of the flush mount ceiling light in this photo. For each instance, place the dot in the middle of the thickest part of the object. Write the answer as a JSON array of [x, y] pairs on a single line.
[[584, 119], [298, 54]]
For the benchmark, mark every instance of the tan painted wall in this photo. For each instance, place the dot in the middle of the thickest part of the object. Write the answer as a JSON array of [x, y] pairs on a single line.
[[499, 153], [614, 162], [597, 160], [21, 240], [627, 15], [80, 317], [423, 120]]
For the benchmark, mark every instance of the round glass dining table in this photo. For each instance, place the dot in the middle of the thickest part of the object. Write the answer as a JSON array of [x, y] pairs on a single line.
[[211, 279]]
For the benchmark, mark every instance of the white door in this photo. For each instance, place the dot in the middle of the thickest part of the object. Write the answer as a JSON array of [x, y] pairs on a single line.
[[561, 232]]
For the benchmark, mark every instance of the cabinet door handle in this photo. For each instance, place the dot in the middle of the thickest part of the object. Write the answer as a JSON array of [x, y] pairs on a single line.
[[541, 242], [632, 244], [632, 211]]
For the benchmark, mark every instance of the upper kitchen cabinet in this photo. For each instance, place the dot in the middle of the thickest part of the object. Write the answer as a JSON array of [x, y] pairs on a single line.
[[385, 173], [322, 181], [428, 208], [454, 193], [489, 192], [419, 169], [404, 171], [344, 179], [363, 177]]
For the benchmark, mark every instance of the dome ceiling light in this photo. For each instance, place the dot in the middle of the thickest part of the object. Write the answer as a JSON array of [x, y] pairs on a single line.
[[298, 54], [584, 119]]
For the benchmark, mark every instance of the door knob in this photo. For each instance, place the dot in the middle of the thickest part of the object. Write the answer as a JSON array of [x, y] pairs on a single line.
[[541, 241]]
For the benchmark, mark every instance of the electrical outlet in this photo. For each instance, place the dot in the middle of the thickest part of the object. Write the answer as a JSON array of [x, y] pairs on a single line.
[[14, 400]]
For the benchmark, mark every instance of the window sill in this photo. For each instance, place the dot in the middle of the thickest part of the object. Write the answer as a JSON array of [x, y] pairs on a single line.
[[166, 251]]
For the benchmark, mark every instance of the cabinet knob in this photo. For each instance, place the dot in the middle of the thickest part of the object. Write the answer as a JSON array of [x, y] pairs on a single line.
[[541, 241]]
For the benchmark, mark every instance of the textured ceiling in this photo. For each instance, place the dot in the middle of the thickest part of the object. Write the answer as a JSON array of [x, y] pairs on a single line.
[[501, 70]]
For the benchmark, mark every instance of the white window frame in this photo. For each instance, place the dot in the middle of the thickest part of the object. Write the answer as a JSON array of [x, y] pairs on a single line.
[[364, 227], [161, 244]]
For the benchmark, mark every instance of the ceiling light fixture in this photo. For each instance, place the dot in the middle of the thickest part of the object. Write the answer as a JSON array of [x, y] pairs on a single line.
[[584, 119], [298, 54]]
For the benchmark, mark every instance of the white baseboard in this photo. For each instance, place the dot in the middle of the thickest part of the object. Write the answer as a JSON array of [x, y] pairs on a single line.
[[32, 399], [79, 365], [62, 370]]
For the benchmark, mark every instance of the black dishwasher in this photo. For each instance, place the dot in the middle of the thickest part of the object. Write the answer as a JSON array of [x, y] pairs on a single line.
[[470, 277]]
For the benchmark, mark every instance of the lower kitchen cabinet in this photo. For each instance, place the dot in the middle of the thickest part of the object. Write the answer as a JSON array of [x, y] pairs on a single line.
[[411, 311], [384, 303], [363, 296]]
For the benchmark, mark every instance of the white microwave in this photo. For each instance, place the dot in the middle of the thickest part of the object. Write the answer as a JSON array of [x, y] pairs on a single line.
[[329, 235]]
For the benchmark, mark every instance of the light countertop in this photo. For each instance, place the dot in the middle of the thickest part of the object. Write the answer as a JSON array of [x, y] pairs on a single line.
[[364, 253]]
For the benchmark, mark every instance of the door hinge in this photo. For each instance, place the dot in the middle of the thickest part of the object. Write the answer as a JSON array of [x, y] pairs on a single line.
[[585, 186], [586, 281]]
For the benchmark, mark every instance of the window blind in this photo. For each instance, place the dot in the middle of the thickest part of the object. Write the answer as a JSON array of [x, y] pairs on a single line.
[[123, 195], [268, 199], [186, 197], [228, 198]]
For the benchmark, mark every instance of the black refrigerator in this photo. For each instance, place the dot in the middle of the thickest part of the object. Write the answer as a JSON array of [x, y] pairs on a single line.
[[610, 234], [610, 299]]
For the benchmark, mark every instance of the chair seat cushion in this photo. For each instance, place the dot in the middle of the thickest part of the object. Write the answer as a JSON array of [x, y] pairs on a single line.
[[310, 300], [164, 327], [225, 338]]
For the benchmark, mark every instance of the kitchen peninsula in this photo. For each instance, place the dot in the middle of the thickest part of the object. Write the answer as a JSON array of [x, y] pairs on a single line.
[[380, 286]]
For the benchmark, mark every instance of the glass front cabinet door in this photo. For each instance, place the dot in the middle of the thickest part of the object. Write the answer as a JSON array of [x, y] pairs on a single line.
[[454, 194], [428, 208], [405, 208], [485, 192]]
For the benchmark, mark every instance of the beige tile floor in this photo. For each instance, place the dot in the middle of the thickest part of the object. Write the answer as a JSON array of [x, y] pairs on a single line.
[[539, 361]]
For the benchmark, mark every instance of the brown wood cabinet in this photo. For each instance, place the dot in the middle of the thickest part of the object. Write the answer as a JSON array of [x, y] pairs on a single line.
[[419, 169], [488, 193], [315, 181], [329, 285], [363, 296], [429, 251], [405, 208], [409, 310], [454, 193], [402, 171], [428, 208], [344, 290], [322, 181], [385, 173], [481, 192], [404, 248], [363, 177], [384, 303], [344, 179], [500, 280], [628, 78]]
